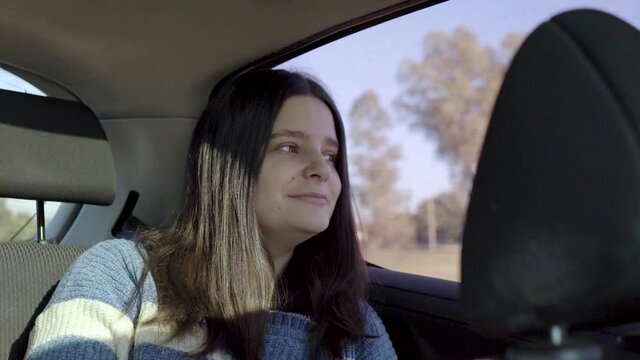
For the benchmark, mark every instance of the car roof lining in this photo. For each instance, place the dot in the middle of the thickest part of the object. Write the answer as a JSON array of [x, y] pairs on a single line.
[[152, 58]]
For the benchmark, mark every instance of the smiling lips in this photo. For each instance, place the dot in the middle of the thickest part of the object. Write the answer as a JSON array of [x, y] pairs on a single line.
[[313, 198]]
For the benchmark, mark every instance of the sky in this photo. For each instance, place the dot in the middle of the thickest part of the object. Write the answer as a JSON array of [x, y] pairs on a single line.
[[369, 60]]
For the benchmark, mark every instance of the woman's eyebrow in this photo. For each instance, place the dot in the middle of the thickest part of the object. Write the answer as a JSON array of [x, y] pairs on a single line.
[[289, 133], [333, 142], [301, 135]]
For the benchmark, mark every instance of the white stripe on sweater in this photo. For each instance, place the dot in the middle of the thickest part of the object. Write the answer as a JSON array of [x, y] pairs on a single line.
[[90, 319]]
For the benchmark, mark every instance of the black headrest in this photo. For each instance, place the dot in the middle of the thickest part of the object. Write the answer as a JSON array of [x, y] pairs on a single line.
[[552, 234], [53, 149]]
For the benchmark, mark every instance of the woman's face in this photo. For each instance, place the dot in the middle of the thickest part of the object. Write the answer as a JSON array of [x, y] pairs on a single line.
[[298, 185]]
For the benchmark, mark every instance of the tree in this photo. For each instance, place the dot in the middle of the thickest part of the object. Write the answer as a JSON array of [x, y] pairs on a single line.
[[440, 220], [449, 94], [382, 206]]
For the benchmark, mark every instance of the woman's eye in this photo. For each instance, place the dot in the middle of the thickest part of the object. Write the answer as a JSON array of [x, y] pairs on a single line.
[[331, 158], [287, 148]]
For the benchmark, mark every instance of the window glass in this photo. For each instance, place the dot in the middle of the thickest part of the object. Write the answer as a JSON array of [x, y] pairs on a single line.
[[9, 81], [416, 94], [17, 217]]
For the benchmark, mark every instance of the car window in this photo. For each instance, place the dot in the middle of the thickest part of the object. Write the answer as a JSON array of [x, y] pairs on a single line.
[[17, 216], [416, 94]]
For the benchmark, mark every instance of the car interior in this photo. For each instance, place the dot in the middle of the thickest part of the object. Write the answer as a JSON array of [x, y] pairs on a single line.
[[552, 232]]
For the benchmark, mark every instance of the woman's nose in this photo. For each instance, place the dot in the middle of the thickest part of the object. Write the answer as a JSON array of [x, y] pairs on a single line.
[[317, 167]]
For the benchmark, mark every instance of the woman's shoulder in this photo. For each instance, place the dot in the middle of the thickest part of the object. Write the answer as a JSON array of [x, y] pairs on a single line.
[[372, 321], [114, 247], [115, 258], [377, 345], [90, 307], [107, 272]]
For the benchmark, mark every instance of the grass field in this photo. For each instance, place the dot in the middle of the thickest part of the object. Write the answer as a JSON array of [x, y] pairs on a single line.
[[443, 263]]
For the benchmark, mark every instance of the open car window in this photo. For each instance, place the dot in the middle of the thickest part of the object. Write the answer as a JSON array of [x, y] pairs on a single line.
[[416, 95]]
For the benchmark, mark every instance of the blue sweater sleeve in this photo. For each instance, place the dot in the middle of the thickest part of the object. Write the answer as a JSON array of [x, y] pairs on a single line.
[[378, 347], [87, 317]]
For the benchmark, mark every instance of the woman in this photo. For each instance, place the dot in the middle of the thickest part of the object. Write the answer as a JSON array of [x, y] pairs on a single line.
[[261, 262]]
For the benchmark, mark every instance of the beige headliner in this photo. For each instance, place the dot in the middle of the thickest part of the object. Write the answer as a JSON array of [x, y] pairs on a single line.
[[157, 58]]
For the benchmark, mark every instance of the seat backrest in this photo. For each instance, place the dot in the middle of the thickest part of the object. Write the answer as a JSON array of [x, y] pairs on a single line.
[[51, 150], [552, 235], [28, 275]]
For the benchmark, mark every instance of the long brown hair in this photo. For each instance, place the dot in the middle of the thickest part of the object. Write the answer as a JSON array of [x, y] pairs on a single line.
[[210, 265]]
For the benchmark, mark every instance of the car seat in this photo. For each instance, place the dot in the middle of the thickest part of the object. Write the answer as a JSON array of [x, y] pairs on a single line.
[[552, 236]]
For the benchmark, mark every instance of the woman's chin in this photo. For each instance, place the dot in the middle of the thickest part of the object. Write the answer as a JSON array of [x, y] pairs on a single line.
[[312, 229]]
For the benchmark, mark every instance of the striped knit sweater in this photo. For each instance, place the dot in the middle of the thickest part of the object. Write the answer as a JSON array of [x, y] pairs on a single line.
[[86, 318]]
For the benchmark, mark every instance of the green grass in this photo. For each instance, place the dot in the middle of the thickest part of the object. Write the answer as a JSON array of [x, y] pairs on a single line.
[[442, 263]]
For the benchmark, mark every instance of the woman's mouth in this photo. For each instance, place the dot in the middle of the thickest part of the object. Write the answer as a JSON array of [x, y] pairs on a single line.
[[312, 198]]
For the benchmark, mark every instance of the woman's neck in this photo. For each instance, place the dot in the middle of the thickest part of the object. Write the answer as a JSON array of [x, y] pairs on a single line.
[[280, 261]]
